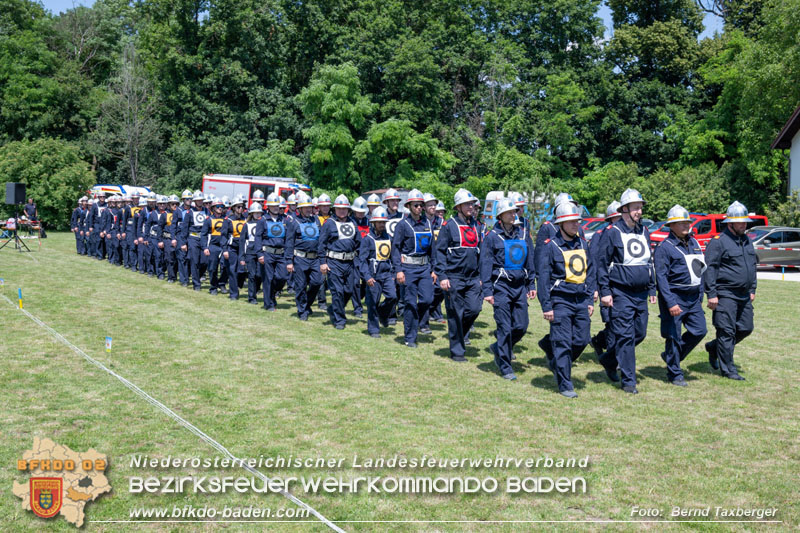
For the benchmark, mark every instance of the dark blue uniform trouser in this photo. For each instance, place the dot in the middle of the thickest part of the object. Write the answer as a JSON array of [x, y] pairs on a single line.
[[321, 293], [253, 276], [511, 317], [182, 259], [203, 266], [677, 346], [112, 247], [357, 296], [151, 255], [123, 252], [417, 292], [463, 303], [340, 284], [629, 323], [129, 259], [159, 257], [99, 245], [133, 253], [378, 310], [274, 276], [435, 309], [569, 334], [733, 320], [214, 259], [91, 241], [169, 259], [80, 246], [233, 271], [307, 282], [142, 255], [605, 337], [224, 272], [436, 306], [196, 258]]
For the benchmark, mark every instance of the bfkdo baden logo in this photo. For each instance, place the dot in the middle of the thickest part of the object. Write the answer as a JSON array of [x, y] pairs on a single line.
[[61, 481], [46, 496]]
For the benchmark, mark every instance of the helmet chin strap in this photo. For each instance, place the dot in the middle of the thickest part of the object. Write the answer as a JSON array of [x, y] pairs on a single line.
[[566, 233]]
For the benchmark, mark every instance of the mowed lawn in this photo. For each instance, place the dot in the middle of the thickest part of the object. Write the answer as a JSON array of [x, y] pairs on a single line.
[[267, 384]]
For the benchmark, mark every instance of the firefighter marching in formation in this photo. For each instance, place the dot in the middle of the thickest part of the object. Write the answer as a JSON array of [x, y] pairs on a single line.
[[405, 265]]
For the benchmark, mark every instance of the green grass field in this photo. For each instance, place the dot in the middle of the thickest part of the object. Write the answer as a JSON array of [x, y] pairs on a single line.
[[267, 384]]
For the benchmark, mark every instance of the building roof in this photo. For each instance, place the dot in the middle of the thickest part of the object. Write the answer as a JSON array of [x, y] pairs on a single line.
[[784, 139]]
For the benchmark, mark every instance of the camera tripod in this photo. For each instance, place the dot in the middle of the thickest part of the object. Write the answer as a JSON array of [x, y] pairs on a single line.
[[18, 243]]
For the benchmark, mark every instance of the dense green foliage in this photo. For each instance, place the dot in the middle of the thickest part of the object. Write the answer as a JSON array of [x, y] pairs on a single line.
[[53, 171], [357, 95]]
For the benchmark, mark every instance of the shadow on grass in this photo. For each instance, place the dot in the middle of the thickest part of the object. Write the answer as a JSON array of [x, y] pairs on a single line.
[[473, 334], [539, 361], [444, 353], [658, 373], [491, 368], [421, 339], [548, 383], [600, 377], [703, 368], [518, 366]]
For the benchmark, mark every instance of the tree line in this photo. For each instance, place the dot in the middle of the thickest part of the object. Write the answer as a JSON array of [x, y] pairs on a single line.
[[354, 95]]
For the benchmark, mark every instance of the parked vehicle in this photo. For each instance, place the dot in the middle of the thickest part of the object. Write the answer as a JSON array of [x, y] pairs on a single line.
[[402, 193], [547, 213], [705, 227], [776, 245], [118, 189], [490, 204], [232, 184], [592, 224]]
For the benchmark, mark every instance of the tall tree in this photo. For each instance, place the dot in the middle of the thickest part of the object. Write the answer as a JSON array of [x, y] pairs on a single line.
[[128, 128], [337, 115]]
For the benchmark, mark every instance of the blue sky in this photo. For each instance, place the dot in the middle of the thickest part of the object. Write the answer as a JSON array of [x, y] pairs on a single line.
[[712, 22]]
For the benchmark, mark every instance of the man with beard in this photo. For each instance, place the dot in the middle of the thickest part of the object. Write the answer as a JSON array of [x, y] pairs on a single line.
[[730, 284], [626, 283], [458, 269], [567, 283]]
